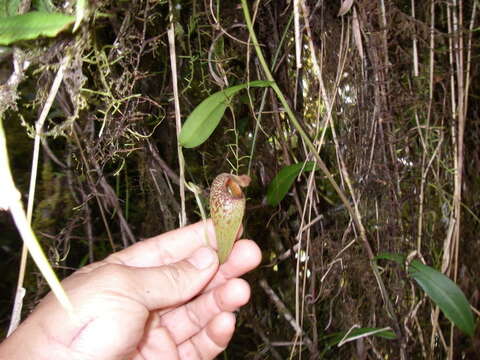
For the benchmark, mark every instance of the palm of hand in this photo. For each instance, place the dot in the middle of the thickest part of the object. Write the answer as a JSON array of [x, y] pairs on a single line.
[[149, 301]]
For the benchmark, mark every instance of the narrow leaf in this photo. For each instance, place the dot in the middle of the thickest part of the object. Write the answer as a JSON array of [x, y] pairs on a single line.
[[80, 8], [443, 292], [32, 25], [336, 338], [280, 185], [207, 115], [398, 258], [446, 294], [357, 35]]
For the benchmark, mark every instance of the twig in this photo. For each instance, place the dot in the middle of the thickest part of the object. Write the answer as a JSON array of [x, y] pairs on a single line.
[[457, 13], [264, 96], [93, 186], [282, 309], [427, 126], [266, 341], [298, 35], [354, 211], [178, 122], [292, 117], [163, 164]]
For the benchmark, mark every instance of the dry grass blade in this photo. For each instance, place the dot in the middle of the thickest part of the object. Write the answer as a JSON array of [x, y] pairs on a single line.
[[173, 63], [19, 294], [11, 200]]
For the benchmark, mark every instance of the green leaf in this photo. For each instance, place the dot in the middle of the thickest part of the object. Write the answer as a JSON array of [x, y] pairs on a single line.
[[206, 116], [335, 338], [32, 25], [280, 185], [443, 292], [446, 294], [398, 258]]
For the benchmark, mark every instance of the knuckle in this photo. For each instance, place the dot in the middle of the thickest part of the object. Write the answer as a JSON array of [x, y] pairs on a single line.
[[113, 272]]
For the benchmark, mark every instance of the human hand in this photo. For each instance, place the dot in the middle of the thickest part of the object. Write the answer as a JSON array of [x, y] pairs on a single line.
[[142, 303]]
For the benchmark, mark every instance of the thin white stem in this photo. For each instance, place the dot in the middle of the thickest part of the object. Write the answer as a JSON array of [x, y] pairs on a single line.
[[414, 45], [178, 121], [10, 199], [20, 292], [298, 35]]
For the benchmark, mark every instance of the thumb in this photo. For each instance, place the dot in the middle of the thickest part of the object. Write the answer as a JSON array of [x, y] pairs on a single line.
[[174, 284]]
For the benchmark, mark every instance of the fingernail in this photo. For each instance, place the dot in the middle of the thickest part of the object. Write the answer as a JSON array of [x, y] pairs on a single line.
[[202, 258]]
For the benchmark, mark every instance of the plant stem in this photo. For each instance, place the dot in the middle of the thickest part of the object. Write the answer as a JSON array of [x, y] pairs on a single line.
[[20, 292], [11, 200], [178, 122], [294, 120], [354, 213]]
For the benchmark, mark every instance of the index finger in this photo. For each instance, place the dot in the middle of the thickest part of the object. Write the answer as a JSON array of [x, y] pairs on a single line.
[[167, 248]]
